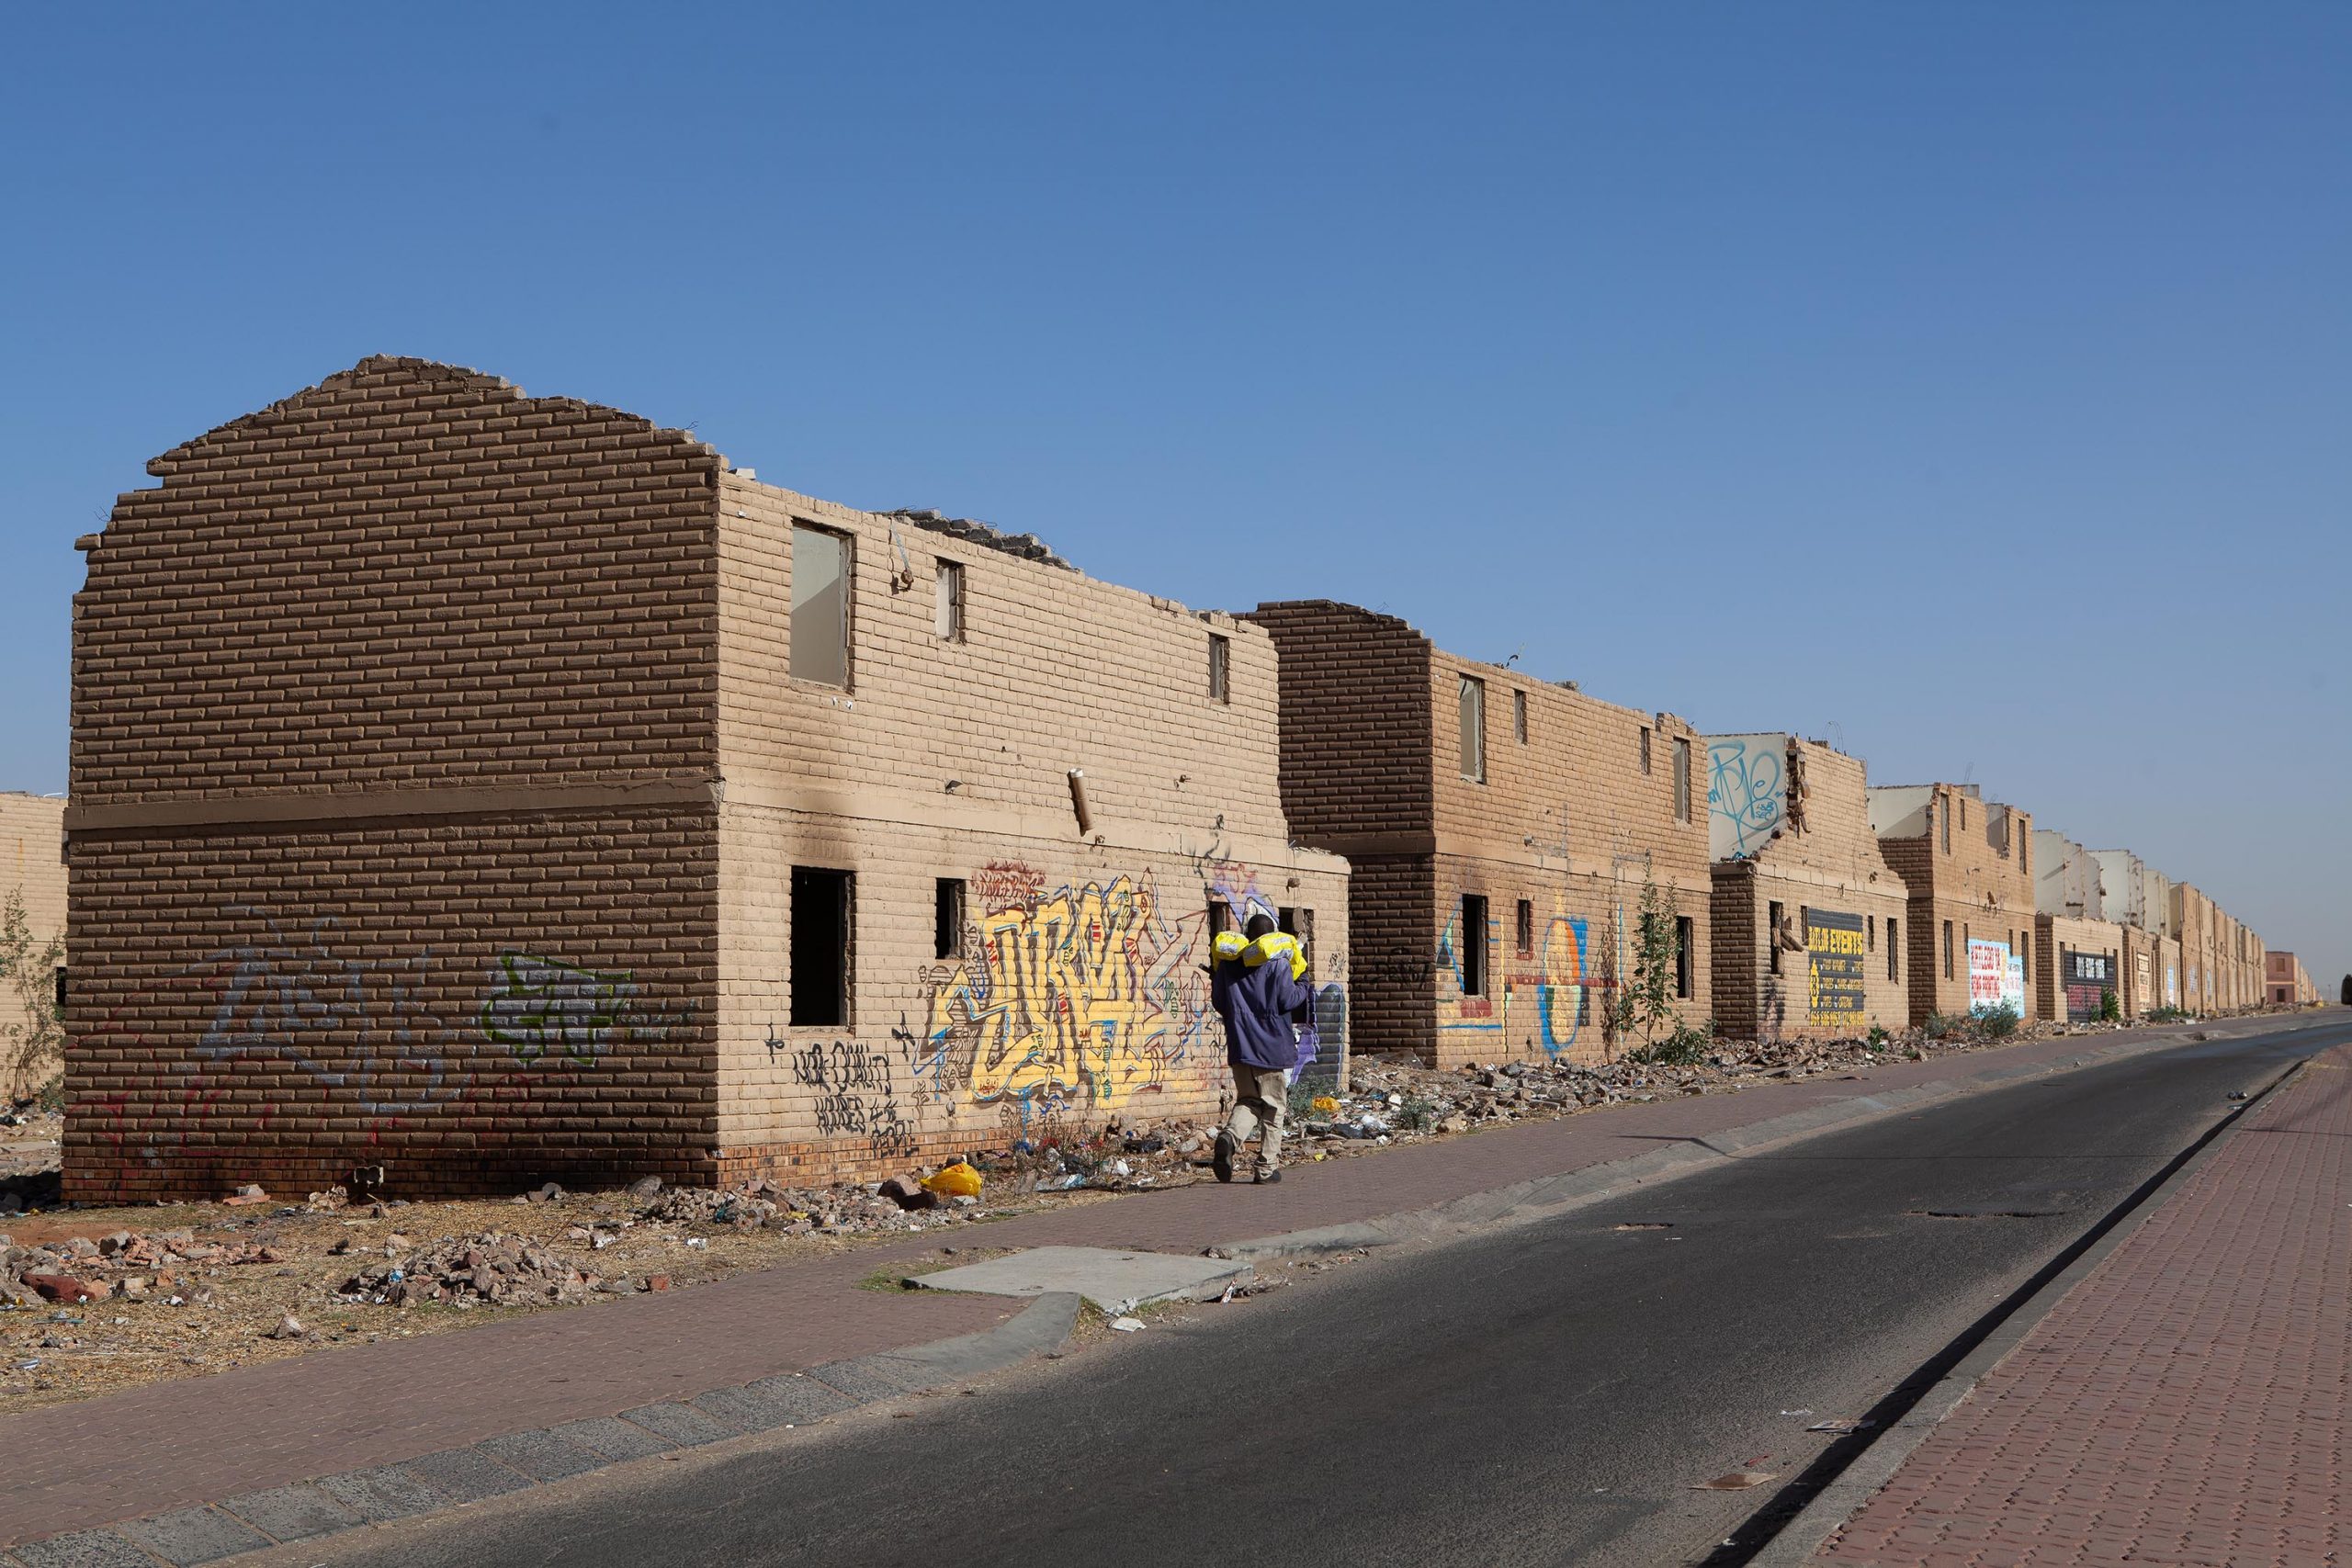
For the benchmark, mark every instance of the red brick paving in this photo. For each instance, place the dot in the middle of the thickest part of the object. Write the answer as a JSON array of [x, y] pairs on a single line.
[[198, 1440], [2186, 1403]]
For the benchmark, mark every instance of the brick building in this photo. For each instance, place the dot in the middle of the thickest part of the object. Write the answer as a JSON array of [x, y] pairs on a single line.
[[1500, 831], [2138, 897], [488, 789], [2288, 983], [33, 868], [1968, 864], [1807, 915], [2085, 956]]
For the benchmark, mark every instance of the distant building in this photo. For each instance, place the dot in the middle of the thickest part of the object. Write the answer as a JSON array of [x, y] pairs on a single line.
[[1501, 830], [1968, 864], [1807, 915]]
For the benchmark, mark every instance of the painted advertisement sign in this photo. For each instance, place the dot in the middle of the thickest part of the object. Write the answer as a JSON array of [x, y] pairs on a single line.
[[2087, 978], [1834, 962], [1996, 976]]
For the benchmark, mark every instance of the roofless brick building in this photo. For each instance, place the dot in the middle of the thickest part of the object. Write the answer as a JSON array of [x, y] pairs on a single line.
[[473, 789]]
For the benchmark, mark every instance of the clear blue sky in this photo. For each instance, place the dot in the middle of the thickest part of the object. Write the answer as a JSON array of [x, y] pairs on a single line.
[[1968, 384]]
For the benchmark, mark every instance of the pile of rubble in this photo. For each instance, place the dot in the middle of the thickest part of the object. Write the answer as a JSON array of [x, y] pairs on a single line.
[[489, 1269], [1391, 1099], [130, 1265]]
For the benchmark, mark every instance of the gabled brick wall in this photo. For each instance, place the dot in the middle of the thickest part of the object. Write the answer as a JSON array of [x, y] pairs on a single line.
[[393, 838]]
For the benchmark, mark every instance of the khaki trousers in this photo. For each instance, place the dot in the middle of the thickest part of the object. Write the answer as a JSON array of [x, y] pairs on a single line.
[[1260, 1099]]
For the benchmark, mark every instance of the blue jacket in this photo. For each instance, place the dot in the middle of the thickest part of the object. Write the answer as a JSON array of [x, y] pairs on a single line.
[[1256, 986]]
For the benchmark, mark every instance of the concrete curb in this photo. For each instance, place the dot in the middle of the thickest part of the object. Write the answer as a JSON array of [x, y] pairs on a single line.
[[329, 1504], [1795, 1542], [1544, 1198]]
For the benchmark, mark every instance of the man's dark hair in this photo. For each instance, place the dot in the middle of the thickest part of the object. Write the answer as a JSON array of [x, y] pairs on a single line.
[[1259, 926]]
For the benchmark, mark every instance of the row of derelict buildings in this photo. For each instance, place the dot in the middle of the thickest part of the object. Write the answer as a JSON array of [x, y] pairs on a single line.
[[470, 789]]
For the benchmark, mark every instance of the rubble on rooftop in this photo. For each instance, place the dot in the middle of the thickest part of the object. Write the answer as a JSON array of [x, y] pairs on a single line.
[[1028, 547]]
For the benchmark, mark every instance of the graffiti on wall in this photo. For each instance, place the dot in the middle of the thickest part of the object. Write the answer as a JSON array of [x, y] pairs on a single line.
[[857, 1091], [1091, 994], [1746, 793], [1995, 977], [1554, 981], [541, 1007]]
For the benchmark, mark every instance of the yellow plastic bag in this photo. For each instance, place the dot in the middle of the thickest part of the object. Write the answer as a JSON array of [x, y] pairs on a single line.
[[957, 1180], [1325, 1103]]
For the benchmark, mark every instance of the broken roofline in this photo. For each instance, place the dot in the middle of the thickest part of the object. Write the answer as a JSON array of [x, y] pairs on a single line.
[[1384, 622], [1027, 547]]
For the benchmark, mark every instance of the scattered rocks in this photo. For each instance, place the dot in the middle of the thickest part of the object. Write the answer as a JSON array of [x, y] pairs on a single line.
[[63, 1288], [492, 1268], [289, 1327]]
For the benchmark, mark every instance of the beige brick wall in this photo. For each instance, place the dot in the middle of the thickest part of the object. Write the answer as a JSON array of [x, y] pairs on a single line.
[[1816, 852], [1081, 994], [1565, 819], [32, 866], [1980, 887]]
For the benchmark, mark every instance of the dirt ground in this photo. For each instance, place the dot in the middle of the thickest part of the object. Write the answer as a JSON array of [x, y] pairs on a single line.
[[189, 1288]]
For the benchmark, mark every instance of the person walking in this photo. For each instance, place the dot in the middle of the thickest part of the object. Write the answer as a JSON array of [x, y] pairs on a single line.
[[1257, 980]]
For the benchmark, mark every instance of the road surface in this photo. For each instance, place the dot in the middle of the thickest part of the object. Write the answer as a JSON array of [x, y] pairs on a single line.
[[1550, 1393]]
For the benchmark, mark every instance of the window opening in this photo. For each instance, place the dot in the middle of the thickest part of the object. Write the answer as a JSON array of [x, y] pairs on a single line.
[[1682, 779], [1683, 943], [1893, 947], [820, 607], [1646, 749], [1772, 936], [947, 918], [1220, 668], [1519, 716], [1526, 929], [821, 932], [947, 607], [1473, 953], [1474, 730]]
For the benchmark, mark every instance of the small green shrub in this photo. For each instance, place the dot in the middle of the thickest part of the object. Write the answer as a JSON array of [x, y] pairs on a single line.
[[1998, 1022], [1943, 1025], [1685, 1047], [2170, 1015], [2110, 1007], [1878, 1039]]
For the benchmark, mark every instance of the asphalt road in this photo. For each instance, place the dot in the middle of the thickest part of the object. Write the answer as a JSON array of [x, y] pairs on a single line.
[[1547, 1395]]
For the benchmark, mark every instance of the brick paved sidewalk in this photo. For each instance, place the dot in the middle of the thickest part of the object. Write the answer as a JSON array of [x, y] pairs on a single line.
[[176, 1444], [2187, 1403]]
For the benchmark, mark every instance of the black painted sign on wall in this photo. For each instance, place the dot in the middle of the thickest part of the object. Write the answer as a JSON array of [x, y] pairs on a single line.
[[1836, 960], [2087, 976]]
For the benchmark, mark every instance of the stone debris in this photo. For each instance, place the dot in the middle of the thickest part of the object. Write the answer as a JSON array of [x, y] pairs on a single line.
[[492, 1268]]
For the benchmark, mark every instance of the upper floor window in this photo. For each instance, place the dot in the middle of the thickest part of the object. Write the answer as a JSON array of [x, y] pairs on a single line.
[[1519, 716], [947, 607], [1220, 668], [819, 606], [1474, 729], [1682, 779], [1646, 750]]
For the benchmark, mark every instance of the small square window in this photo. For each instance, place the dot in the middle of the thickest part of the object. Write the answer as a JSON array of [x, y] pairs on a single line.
[[1220, 668], [947, 918], [1299, 923], [947, 607], [1519, 716]]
